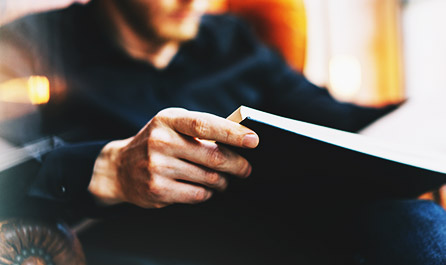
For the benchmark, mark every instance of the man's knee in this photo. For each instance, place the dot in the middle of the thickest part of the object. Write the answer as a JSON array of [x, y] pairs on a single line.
[[403, 232]]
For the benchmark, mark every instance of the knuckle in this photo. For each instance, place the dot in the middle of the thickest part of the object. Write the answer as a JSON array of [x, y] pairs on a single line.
[[158, 119], [155, 164], [200, 127], [156, 188], [159, 138], [216, 158], [227, 135], [212, 178], [168, 112], [199, 195]]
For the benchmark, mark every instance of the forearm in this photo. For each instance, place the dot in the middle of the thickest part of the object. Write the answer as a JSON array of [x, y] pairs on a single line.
[[325, 110], [290, 94], [313, 104]]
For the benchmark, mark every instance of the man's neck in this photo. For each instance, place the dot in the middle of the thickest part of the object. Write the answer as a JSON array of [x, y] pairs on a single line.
[[157, 52]]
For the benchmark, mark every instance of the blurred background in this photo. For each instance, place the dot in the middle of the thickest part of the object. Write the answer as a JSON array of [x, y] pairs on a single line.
[[386, 49]]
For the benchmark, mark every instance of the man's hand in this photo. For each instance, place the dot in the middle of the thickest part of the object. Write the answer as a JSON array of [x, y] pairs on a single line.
[[173, 159]]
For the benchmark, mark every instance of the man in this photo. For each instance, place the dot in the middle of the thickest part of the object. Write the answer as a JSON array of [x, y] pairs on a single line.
[[123, 63]]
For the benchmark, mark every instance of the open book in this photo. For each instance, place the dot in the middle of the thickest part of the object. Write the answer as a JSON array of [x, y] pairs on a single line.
[[308, 151]]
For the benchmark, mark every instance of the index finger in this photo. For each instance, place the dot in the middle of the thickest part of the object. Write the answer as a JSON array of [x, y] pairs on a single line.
[[210, 127]]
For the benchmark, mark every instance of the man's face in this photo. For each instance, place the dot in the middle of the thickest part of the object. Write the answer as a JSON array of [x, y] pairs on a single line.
[[167, 20]]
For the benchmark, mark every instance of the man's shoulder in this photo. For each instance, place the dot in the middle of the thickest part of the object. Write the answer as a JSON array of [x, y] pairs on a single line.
[[36, 28], [227, 32], [226, 23], [24, 29], [33, 43]]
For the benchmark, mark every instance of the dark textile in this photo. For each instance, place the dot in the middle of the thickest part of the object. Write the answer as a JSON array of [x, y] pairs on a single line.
[[384, 232]]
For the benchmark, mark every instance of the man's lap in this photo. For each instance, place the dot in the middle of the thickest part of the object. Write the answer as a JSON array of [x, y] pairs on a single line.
[[384, 232], [403, 232]]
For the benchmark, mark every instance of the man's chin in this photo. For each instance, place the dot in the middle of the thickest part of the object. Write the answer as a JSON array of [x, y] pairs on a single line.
[[179, 34]]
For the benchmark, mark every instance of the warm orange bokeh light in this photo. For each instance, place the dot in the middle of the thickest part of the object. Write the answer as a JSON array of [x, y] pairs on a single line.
[[34, 90], [38, 90]]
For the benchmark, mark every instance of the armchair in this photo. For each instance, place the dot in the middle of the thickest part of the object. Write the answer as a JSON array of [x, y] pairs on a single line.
[[38, 242]]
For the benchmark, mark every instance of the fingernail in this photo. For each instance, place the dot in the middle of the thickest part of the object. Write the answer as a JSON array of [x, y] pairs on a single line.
[[250, 140]]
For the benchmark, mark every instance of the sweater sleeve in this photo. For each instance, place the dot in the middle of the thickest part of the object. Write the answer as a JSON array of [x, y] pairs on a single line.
[[64, 176], [290, 94]]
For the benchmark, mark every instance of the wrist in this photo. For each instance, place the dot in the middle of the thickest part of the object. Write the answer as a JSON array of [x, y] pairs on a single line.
[[104, 185]]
